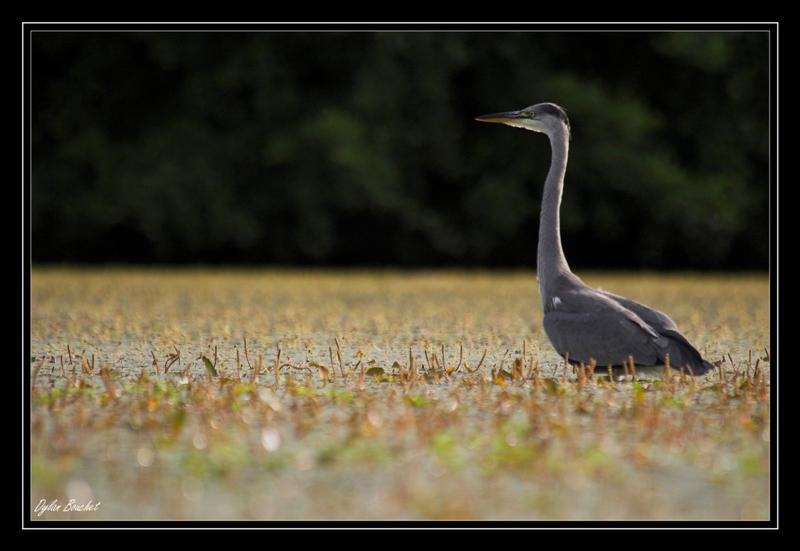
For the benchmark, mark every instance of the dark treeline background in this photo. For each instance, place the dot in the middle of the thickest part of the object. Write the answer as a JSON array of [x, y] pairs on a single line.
[[361, 149]]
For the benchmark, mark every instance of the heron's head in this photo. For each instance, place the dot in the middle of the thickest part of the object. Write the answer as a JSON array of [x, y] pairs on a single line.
[[547, 118]]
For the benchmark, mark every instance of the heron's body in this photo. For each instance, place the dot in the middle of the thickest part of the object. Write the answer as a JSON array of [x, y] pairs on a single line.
[[582, 323]]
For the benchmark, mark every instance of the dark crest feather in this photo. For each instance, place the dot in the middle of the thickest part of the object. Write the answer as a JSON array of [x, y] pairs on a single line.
[[553, 109]]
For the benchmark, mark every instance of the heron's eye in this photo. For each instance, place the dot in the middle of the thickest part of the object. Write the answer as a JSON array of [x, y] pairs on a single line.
[[529, 114]]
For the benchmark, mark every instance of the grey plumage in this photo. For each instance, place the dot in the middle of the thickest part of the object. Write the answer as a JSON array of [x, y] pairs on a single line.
[[552, 109], [582, 323]]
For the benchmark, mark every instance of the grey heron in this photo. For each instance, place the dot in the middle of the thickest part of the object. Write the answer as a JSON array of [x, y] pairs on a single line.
[[583, 323]]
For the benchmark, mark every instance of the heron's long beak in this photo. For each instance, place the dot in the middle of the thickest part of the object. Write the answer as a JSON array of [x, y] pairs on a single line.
[[499, 117]]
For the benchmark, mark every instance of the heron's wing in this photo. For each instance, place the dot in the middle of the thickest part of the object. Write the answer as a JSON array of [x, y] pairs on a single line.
[[654, 318], [681, 351], [609, 337]]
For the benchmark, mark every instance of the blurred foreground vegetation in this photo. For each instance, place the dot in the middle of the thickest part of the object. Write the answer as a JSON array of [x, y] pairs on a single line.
[[385, 395], [360, 148]]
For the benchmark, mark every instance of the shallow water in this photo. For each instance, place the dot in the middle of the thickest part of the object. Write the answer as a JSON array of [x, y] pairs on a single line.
[[183, 444]]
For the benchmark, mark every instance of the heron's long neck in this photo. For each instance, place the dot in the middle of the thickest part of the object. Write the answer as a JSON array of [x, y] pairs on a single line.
[[550, 256]]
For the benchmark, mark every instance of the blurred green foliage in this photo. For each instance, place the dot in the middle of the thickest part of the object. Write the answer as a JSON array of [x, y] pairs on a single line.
[[361, 148]]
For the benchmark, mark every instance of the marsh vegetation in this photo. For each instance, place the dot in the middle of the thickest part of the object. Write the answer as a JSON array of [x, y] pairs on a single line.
[[190, 394]]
